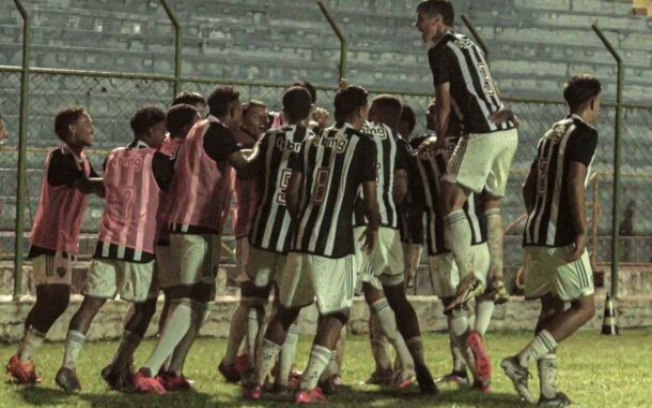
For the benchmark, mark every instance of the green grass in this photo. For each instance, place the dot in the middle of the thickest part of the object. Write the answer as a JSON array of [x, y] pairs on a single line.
[[595, 371]]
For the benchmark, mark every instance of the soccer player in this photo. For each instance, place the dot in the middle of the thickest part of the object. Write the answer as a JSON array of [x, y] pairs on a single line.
[[193, 99], [383, 271], [557, 267], [465, 90], [246, 319], [123, 262], [67, 180], [321, 193], [201, 187]]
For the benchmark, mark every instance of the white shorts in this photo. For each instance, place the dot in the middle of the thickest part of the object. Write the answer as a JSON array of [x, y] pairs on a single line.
[[546, 271], [482, 161], [306, 277], [195, 258], [445, 276], [264, 266], [135, 282], [52, 270], [412, 255], [385, 266]]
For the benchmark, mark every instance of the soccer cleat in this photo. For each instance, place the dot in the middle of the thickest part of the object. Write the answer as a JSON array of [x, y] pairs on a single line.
[[173, 382], [67, 379], [314, 396], [424, 378], [483, 387], [559, 400], [468, 288], [117, 379], [145, 383], [459, 378], [229, 372], [242, 364], [380, 378], [482, 359], [497, 292], [252, 391], [328, 386], [405, 379], [23, 372], [519, 376]]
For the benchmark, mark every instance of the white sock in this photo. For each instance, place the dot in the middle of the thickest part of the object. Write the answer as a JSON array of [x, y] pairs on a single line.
[[483, 312], [266, 359], [548, 368], [178, 358], [379, 345], [458, 357], [542, 344], [387, 321], [320, 356], [495, 239], [255, 321], [237, 331], [458, 236], [288, 351], [31, 342], [74, 344], [175, 329]]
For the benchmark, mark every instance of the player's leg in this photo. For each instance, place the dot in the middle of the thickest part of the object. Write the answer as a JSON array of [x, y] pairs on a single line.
[[383, 373], [52, 276]]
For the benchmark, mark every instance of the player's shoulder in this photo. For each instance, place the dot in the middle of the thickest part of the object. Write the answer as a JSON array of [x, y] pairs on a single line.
[[583, 129]]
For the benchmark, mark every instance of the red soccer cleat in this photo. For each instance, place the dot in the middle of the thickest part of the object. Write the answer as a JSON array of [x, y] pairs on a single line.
[[147, 384], [314, 396], [229, 372], [242, 364], [172, 382], [23, 372], [253, 392], [482, 359]]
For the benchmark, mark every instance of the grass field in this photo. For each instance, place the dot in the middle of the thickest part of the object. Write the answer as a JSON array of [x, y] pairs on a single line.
[[595, 371]]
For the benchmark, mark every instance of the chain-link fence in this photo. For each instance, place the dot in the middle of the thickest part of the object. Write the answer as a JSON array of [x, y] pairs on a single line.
[[112, 100]]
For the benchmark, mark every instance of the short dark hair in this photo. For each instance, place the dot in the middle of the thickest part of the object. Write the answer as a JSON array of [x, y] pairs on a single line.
[[407, 115], [145, 118], [220, 100], [348, 100], [309, 87], [189, 98], [581, 89], [251, 105], [297, 103], [180, 116], [441, 7], [388, 107], [65, 118]]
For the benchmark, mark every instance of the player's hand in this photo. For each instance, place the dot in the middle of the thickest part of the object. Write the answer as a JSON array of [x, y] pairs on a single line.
[[577, 247], [504, 115], [432, 144], [369, 238], [344, 83], [322, 117]]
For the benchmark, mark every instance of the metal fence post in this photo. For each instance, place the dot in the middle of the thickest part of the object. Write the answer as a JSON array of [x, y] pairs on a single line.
[[615, 242], [22, 152], [178, 44], [340, 35], [476, 36]]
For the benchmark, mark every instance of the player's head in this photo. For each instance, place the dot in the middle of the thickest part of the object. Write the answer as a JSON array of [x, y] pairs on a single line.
[[408, 122], [434, 19], [386, 109], [431, 119], [74, 127], [310, 88], [224, 104], [583, 93], [192, 98], [180, 119], [148, 125], [3, 131], [351, 105], [254, 118], [297, 103]]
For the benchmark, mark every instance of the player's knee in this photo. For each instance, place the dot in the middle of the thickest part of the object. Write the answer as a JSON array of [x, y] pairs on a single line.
[[147, 309], [341, 316], [286, 316]]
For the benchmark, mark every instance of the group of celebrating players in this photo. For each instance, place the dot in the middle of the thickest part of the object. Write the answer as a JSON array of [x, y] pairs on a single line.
[[320, 211]]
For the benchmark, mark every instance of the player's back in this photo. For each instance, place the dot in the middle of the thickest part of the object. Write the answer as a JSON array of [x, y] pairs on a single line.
[[271, 226], [334, 163]]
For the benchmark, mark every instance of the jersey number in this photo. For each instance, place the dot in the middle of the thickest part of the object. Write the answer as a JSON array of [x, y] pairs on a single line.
[[321, 187], [283, 185]]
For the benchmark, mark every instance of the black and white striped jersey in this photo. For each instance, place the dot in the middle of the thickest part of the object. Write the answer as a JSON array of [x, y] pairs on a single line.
[[390, 156], [550, 221], [410, 212], [431, 167], [334, 164], [271, 228], [458, 60]]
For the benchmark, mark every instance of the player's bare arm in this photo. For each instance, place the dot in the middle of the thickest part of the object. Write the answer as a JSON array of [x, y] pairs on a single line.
[[372, 213], [400, 186], [292, 194], [529, 190], [442, 115], [92, 185], [576, 190], [247, 162]]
